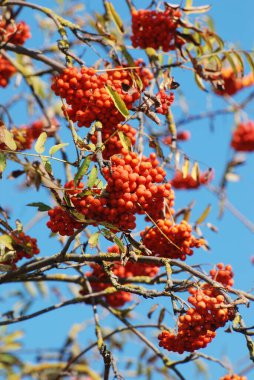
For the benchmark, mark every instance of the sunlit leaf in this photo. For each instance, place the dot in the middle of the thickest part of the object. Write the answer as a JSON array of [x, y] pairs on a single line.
[[114, 16], [6, 241], [204, 215], [200, 9], [200, 82], [93, 239], [119, 243], [186, 166], [56, 148], [195, 174], [232, 177], [7, 138], [40, 143], [125, 140], [249, 60]]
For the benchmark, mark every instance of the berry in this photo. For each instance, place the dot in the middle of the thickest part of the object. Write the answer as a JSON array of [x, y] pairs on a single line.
[[179, 182], [7, 70], [156, 29], [181, 135], [16, 34], [165, 101], [233, 377], [170, 240], [243, 137], [232, 82]]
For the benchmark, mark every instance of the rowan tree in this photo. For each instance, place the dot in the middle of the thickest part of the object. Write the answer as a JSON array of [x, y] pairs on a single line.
[[110, 200]]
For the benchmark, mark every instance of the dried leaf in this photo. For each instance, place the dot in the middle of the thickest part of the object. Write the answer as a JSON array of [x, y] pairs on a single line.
[[195, 174], [186, 166], [204, 215], [152, 310]]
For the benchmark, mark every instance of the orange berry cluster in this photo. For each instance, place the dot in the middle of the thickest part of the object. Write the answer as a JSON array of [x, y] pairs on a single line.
[[111, 140], [223, 274], [156, 29], [17, 34], [232, 82], [181, 136], [170, 240], [88, 98], [26, 135], [188, 182], [243, 137], [102, 281], [7, 70], [134, 186], [233, 377], [165, 101], [197, 327]]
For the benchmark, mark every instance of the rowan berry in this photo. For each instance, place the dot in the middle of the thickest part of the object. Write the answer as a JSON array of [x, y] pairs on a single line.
[[243, 137], [7, 70]]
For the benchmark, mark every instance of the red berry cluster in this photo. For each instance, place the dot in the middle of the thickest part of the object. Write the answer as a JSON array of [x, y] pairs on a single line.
[[102, 282], [233, 82], [24, 245], [62, 222], [156, 29], [17, 34], [111, 140], [165, 101], [181, 136], [233, 377], [188, 182], [243, 137], [88, 98], [7, 70], [170, 240], [223, 274], [197, 327]]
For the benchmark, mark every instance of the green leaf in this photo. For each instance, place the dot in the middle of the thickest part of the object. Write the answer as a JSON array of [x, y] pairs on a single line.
[[200, 82], [93, 240], [126, 142], [114, 16], [40, 143], [119, 243], [118, 102], [82, 170], [2, 163], [6, 241], [232, 63], [41, 206], [56, 148], [249, 60], [92, 177]]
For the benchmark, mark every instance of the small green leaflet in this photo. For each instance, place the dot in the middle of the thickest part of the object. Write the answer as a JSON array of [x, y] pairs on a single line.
[[114, 16], [2, 163], [92, 177], [82, 170], [118, 102], [126, 143], [199, 82], [119, 243], [93, 240], [41, 206], [56, 148], [40, 143]]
